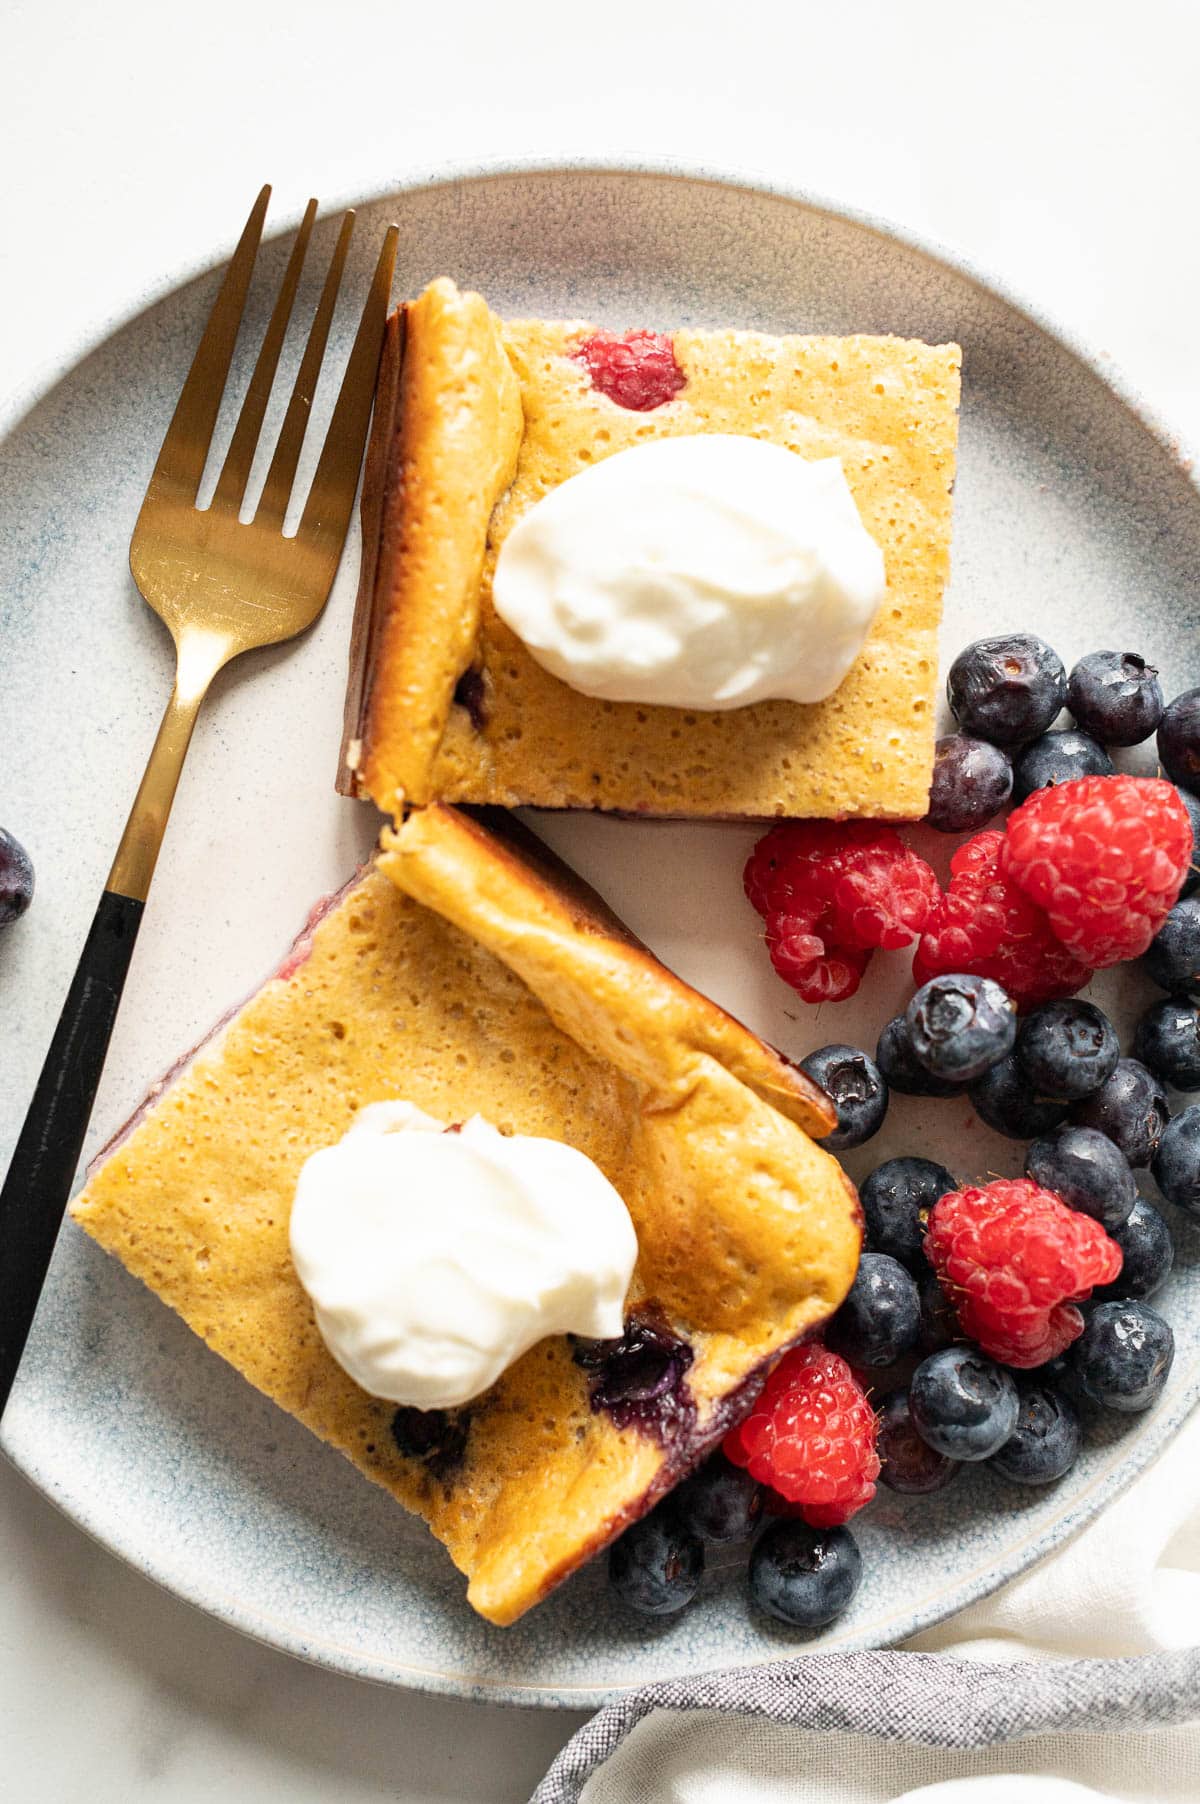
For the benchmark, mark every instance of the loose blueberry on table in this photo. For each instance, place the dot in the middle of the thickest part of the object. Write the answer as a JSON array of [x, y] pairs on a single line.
[[16, 879], [1057, 758]]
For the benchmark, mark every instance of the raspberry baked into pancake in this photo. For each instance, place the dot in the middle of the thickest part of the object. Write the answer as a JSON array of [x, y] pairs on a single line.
[[479, 422], [466, 974]]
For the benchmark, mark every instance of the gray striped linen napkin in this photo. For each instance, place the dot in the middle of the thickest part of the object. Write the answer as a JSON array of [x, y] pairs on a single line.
[[929, 1699]]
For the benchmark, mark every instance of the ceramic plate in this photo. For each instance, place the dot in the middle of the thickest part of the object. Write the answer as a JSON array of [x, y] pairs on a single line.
[[1072, 516]]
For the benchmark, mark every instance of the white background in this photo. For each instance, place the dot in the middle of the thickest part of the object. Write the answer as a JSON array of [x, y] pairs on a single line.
[[1056, 143]]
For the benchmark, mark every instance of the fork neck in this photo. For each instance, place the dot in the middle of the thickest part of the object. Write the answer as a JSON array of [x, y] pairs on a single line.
[[198, 659]]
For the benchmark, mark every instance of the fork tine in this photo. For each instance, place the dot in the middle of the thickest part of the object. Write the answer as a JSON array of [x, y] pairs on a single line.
[[240, 456], [331, 497], [185, 447], [273, 502]]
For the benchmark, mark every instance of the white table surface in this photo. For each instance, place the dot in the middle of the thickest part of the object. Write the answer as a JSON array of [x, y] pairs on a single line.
[[1058, 145]]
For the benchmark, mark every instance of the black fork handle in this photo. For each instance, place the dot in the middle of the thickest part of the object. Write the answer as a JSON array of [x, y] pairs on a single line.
[[47, 1153]]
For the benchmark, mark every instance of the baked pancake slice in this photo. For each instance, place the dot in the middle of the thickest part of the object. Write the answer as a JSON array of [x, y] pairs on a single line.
[[469, 973], [477, 419]]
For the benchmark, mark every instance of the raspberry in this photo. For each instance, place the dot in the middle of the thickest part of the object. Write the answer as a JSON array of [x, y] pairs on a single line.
[[635, 369], [832, 892], [1105, 857], [985, 925], [811, 1437], [1014, 1258]]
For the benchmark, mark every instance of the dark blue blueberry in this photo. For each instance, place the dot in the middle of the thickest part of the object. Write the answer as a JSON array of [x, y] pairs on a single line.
[[1172, 959], [1067, 1049], [657, 1565], [1167, 1042], [436, 1437], [1179, 739], [939, 1320], [963, 1404], [1192, 804], [908, 1463], [1002, 1097], [720, 1502], [972, 780], [1177, 1161], [641, 1379], [896, 1200], [959, 1026], [1131, 1108], [1148, 1253], [856, 1088], [1007, 689], [16, 878], [1087, 1171], [1058, 758], [471, 693], [881, 1315], [1115, 696], [900, 1067], [1124, 1355], [1046, 1440], [804, 1576]]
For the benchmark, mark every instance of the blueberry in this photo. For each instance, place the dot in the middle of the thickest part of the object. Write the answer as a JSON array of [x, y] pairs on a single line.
[[657, 1564], [960, 1026], [1167, 1042], [1002, 1097], [1131, 1108], [896, 1199], [1179, 739], [972, 780], [1057, 758], [1115, 696], [1192, 804], [640, 1380], [939, 1320], [804, 1576], [16, 878], [881, 1315], [1046, 1440], [1007, 689], [1172, 959], [1088, 1171], [1067, 1049], [908, 1463], [1177, 1161], [857, 1090], [963, 1404], [1123, 1356], [720, 1502], [1148, 1253], [436, 1437], [901, 1068]]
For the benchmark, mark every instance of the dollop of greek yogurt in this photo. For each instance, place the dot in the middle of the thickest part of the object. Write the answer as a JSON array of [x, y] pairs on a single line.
[[435, 1258], [705, 571]]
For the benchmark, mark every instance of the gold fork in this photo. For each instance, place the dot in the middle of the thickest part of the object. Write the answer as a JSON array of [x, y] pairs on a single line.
[[222, 587]]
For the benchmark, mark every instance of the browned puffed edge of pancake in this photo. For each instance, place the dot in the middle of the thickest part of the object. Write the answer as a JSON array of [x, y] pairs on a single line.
[[494, 836], [364, 632], [684, 1455]]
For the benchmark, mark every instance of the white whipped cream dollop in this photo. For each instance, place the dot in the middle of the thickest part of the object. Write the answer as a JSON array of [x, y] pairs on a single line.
[[703, 572], [434, 1259]]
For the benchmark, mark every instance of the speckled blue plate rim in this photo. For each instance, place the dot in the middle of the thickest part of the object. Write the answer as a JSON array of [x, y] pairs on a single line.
[[1123, 1463]]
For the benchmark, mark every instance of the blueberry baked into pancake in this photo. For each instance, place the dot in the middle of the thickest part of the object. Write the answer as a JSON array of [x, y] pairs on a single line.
[[489, 1200], [696, 575]]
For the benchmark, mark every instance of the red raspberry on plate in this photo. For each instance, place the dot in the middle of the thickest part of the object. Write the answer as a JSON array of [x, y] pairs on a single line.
[[986, 925], [811, 1437], [635, 369], [830, 893], [1105, 857], [1013, 1258]]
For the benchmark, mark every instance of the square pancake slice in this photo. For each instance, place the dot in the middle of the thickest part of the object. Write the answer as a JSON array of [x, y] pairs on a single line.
[[470, 973], [476, 419]]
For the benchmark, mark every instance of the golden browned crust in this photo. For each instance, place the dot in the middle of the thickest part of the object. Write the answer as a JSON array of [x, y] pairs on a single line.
[[452, 419], [886, 406], [467, 979]]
